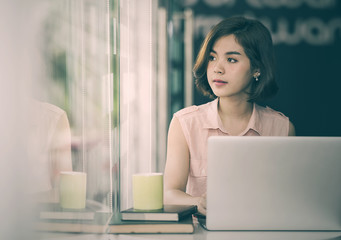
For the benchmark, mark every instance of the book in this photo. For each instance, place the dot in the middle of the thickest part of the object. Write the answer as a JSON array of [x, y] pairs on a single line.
[[119, 226], [54, 211], [98, 225], [167, 213]]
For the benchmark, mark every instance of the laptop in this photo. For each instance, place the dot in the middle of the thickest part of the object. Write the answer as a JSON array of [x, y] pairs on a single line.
[[274, 183]]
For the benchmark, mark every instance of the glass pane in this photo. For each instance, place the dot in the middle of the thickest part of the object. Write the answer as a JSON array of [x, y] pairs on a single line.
[[75, 103], [138, 84]]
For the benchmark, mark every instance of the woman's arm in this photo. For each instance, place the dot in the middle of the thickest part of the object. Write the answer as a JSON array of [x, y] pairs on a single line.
[[177, 169], [60, 149], [292, 131]]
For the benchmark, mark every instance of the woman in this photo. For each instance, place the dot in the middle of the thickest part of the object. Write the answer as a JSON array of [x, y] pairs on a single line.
[[235, 66]]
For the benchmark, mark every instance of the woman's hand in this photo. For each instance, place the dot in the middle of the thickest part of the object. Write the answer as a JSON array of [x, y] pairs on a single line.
[[202, 204]]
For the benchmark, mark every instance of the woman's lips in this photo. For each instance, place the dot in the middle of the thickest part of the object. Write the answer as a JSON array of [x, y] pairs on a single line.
[[219, 82]]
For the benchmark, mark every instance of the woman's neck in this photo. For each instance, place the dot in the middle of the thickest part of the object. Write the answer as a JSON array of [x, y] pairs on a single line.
[[235, 109], [234, 115]]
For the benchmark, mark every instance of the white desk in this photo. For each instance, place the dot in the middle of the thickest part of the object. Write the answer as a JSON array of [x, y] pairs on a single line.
[[201, 234]]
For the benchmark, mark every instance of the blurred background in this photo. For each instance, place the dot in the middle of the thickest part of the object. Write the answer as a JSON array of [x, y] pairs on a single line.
[[93, 84]]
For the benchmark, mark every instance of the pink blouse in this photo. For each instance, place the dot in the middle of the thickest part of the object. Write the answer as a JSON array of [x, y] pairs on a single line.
[[200, 122]]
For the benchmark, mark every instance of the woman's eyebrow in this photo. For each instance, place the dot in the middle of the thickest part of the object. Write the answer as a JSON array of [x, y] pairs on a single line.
[[233, 52], [228, 53]]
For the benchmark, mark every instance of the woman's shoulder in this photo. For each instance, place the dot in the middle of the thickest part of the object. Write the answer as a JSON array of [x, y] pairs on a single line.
[[186, 111], [193, 111], [269, 113], [273, 123], [48, 108]]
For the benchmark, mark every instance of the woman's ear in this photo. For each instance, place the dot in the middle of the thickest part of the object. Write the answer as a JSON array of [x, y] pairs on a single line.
[[256, 75], [256, 72]]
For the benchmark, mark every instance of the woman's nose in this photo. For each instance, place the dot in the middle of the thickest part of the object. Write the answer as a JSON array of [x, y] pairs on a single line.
[[218, 68]]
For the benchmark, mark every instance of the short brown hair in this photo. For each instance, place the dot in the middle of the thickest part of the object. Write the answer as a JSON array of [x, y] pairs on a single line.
[[256, 40]]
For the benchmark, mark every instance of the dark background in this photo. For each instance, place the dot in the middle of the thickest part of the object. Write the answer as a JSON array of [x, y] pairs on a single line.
[[307, 39]]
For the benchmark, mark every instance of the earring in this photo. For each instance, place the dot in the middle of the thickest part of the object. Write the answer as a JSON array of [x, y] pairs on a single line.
[[256, 76]]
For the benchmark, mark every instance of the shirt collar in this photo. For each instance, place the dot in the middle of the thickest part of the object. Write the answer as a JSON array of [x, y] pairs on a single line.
[[213, 120]]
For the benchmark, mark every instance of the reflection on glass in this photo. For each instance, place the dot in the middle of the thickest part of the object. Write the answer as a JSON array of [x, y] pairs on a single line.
[[49, 148], [74, 111]]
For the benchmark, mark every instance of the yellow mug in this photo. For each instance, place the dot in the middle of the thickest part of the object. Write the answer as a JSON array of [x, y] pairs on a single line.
[[72, 190], [148, 191]]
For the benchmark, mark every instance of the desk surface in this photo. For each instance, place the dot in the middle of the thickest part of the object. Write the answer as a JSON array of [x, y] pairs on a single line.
[[201, 234]]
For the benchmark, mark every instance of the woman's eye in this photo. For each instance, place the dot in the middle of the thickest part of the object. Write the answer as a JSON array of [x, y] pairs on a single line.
[[232, 60], [211, 58]]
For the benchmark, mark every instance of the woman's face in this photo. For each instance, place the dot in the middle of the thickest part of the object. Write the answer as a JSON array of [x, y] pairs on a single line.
[[228, 69]]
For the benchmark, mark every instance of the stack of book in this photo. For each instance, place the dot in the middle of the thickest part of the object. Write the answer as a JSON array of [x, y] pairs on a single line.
[[170, 219], [55, 211], [98, 225], [94, 218]]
